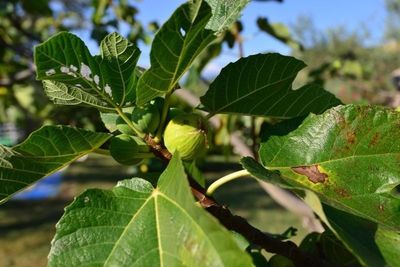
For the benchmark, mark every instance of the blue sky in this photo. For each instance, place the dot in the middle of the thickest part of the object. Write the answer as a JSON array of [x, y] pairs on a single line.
[[352, 14]]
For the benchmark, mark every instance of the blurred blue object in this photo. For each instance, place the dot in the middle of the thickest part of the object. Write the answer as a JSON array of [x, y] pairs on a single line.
[[48, 187]]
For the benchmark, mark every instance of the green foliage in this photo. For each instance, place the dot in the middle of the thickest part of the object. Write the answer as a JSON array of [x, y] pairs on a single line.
[[147, 118], [44, 152], [351, 160], [278, 31], [128, 150], [76, 77], [265, 80], [364, 238], [347, 157], [180, 40], [138, 225]]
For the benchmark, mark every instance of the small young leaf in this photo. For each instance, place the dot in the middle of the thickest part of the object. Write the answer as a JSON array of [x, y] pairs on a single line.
[[349, 156], [108, 228], [262, 85], [121, 57], [46, 151]]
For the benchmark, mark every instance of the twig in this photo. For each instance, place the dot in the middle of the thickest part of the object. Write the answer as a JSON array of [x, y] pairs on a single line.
[[239, 224], [282, 197]]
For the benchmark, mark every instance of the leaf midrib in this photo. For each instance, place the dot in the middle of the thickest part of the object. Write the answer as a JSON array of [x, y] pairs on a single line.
[[253, 92], [156, 193]]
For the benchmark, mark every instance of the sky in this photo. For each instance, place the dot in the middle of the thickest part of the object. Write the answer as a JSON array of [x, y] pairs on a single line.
[[351, 14]]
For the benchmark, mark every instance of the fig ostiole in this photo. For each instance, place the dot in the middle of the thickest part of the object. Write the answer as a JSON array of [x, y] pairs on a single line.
[[129, 150], [146, 119], [187, 134]]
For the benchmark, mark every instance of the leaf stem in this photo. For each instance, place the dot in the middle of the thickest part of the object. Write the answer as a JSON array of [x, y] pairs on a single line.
[[163, 118], [128, 122], [101, 151], [209, 115], [225, 179]]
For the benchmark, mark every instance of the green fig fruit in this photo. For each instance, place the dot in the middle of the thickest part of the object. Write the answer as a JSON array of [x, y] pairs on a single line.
[[147, 118], [129, 150], [280, 261], [187, 134]]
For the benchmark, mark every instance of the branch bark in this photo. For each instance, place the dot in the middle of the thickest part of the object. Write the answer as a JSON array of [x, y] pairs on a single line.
[[239, 224], [282, 197]]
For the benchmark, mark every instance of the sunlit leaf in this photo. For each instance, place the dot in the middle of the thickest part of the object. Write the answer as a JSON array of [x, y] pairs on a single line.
[[262, 85], [44, 152], [73, 76], [138, 225], [191, 28], [349, 156]]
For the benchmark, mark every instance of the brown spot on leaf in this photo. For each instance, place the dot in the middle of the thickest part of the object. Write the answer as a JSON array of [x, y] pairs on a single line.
[[343, 192], [351, 137], [312, 172], [374, 139]]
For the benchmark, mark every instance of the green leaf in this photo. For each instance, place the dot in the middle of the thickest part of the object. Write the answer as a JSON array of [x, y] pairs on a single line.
[[280, 32], [44, 152], [224, 13], [121, 57], [370, 243], [191, 28], [138, 225], [389, 244], [327, 246], [349, 156], [193, 171], [262, 85], [73, 76], [114, 122]]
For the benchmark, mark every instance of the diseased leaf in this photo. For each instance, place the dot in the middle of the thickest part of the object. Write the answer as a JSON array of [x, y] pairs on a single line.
[[349, 156], [180, 40], [224, 13], [44, 152], [262, 85], [365, 239], [121, 57], [63, 94], [108, 228], [73, 76]]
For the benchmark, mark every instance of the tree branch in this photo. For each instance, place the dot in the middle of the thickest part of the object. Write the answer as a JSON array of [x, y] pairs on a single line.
[[239, 224]]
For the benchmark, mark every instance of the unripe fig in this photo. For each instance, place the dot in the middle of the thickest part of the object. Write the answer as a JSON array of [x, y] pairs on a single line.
[[147, 118], [129, 150], [280, 261], [187, 134]]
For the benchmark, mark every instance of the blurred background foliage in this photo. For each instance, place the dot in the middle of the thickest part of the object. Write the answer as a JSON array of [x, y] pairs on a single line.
[[339, 59]]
